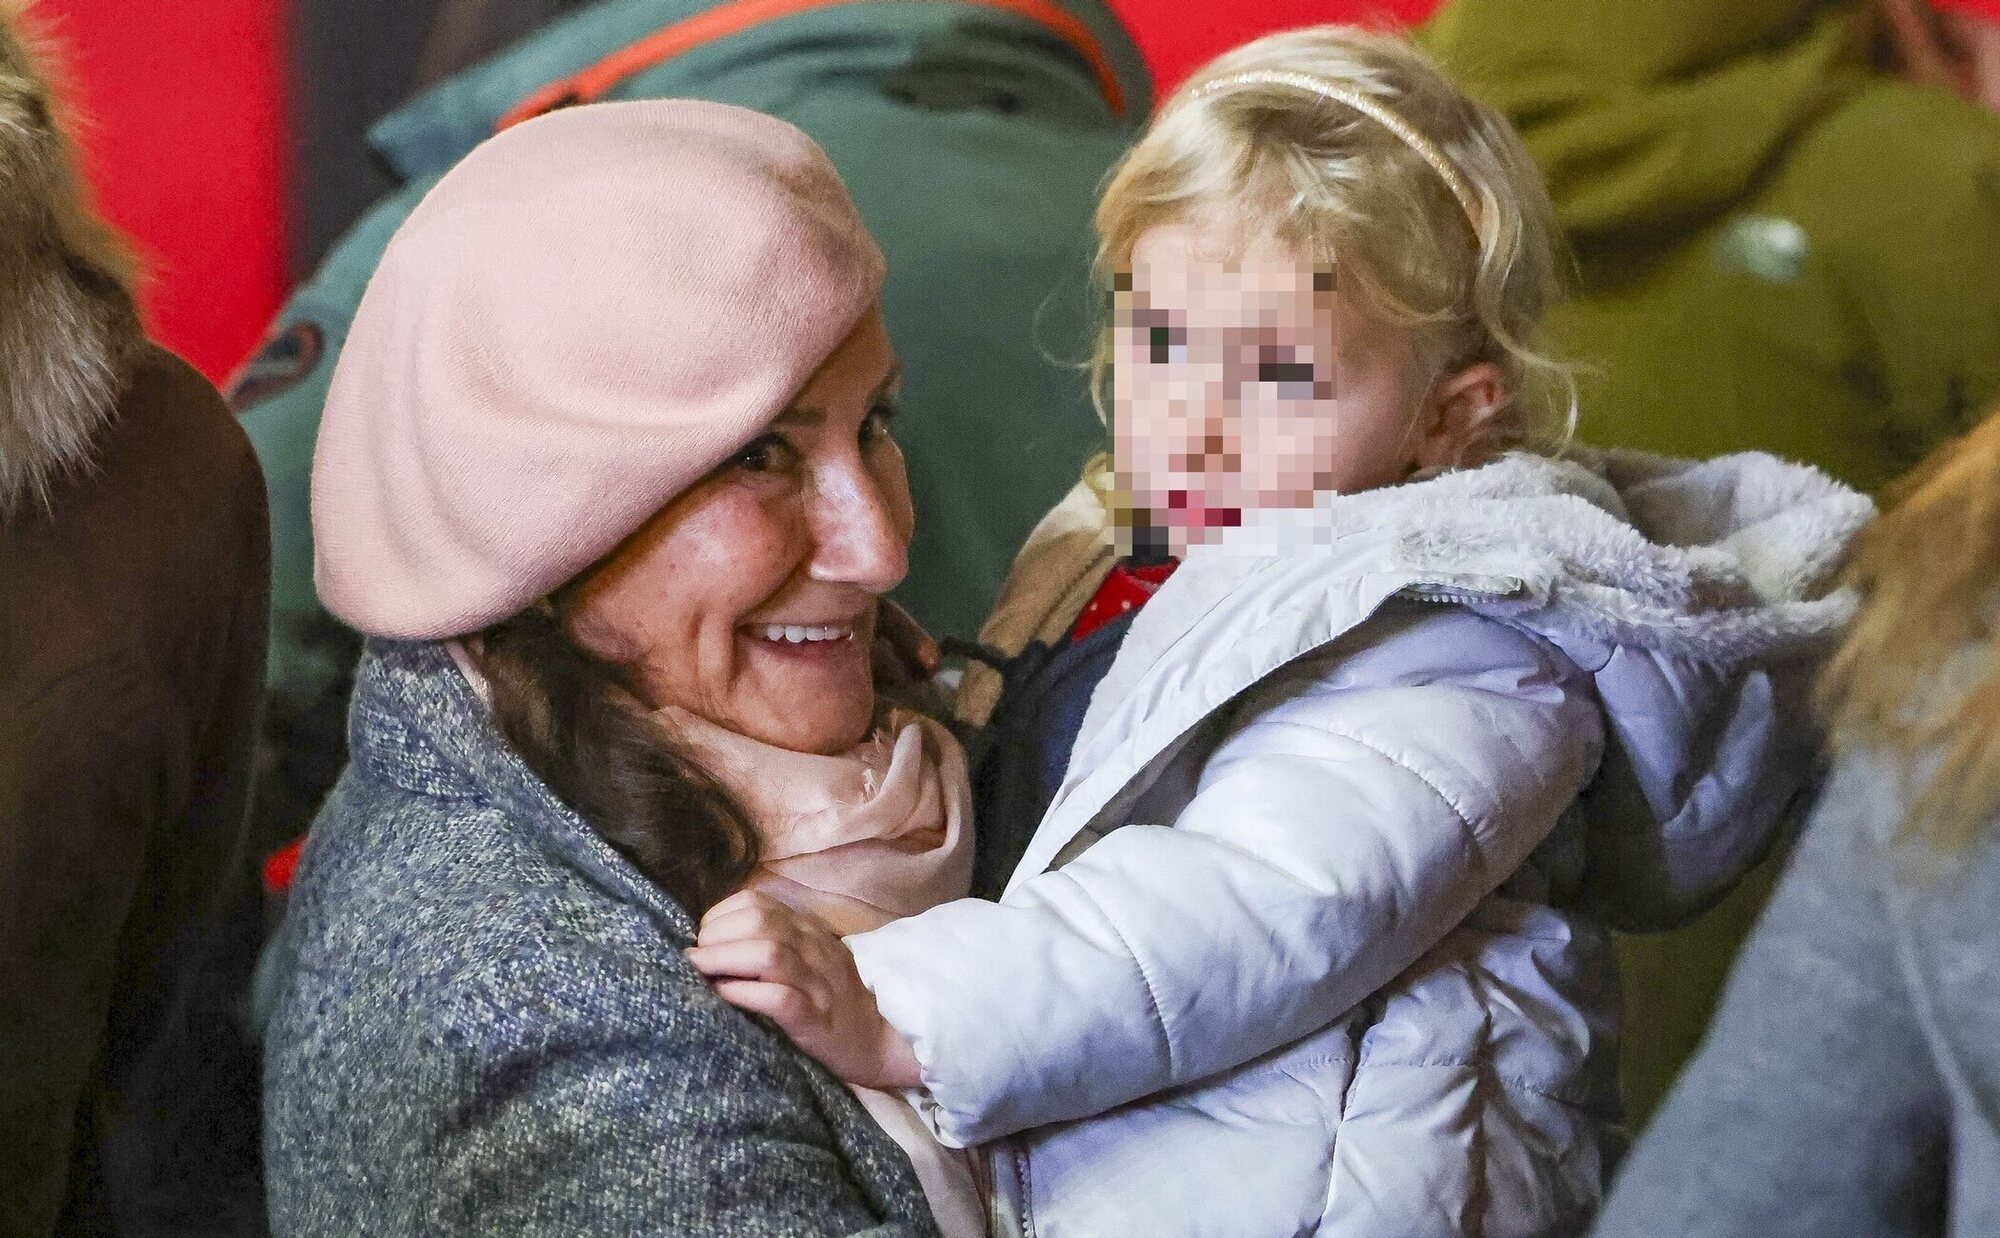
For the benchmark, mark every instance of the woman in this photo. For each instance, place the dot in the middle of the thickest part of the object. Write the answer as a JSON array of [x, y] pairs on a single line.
[[605, 473], [1851, 1082]]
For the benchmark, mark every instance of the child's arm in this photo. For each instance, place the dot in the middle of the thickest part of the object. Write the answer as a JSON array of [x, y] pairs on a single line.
[[1331, 841]]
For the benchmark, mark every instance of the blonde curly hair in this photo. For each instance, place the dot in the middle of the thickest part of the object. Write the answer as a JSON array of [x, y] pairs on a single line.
[[1243, 139]]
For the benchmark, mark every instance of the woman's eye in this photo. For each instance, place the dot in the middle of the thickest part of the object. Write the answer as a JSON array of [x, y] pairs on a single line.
[[1164, 345], [763, 455], [876, 426]]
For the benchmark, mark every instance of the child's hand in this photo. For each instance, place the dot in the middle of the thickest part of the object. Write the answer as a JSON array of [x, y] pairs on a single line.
[[768, 959]]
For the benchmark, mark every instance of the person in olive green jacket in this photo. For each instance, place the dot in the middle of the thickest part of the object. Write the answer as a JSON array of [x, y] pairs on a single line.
[[972, 134], [1779, 247]]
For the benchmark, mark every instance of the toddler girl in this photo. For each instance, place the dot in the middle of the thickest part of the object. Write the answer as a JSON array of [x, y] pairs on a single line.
[[1311, 937]]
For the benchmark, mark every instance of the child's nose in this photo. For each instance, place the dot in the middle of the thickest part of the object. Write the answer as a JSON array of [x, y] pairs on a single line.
[[1209, 450]]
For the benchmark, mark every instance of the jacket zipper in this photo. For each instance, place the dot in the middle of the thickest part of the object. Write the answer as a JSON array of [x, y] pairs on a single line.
[[1447, 595]]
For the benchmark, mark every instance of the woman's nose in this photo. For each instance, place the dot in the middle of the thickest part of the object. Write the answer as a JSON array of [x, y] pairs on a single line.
[[861, 531]]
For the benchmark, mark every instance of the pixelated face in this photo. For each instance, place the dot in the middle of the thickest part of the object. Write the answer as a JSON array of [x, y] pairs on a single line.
[[1242, 381], [750, 600]]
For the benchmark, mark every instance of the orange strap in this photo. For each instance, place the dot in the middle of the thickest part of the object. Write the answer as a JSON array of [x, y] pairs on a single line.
[[724, 20]]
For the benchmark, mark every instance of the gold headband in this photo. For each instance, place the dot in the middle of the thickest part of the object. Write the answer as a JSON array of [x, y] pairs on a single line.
[[1368, 107]]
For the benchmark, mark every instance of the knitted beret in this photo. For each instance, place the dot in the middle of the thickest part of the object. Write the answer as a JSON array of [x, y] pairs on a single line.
[[582, 319]]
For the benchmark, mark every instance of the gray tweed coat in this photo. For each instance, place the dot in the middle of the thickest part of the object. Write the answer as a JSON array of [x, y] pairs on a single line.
[[484, 1023]]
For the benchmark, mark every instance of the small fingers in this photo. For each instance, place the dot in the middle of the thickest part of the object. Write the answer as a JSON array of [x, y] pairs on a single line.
[[735, 902], [747, 914], [748, 899], [780, 1003], [751, 958]]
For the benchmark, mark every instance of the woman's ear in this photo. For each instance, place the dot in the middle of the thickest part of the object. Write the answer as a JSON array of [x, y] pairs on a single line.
[[1459, 414]]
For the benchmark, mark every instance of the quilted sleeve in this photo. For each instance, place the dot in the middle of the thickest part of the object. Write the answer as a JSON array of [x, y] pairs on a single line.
[[1359, 810]]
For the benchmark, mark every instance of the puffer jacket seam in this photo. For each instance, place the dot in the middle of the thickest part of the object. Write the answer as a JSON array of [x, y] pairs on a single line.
[[1510, 1081], [1325, 1059], [1316, 726], [1152, 994], [1024, 1178], [1464, 819], [1480, 1197]]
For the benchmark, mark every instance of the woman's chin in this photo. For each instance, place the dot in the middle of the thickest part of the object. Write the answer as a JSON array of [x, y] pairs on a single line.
[[818, 697]]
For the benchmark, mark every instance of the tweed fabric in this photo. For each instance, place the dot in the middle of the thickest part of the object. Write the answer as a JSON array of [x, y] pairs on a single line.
[[485, 1024]]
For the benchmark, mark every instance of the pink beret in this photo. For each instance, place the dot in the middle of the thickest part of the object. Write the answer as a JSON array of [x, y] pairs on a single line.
[[584, 318]]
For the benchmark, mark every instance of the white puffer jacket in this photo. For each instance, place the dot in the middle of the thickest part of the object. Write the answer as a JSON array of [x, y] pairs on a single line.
[[1310, 940]]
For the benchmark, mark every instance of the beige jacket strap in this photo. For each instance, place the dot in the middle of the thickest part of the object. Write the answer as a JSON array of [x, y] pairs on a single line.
[[1054, 577]]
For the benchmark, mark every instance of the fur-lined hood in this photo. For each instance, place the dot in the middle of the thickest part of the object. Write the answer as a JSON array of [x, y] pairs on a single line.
[[68, 325], [1722, 560]]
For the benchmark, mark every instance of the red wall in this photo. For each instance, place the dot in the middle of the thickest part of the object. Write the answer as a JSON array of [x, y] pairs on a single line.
[[186, 144], [1179, 36], [182, 110]]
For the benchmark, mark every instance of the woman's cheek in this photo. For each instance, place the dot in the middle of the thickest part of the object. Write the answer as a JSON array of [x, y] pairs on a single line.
[[746, 534]]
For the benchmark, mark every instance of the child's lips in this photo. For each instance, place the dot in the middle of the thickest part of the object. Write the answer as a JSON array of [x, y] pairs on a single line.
[[1187, 510]]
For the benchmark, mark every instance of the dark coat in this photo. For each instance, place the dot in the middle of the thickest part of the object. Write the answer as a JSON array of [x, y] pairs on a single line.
[[134, 587], [485, 1025], [132, 629]]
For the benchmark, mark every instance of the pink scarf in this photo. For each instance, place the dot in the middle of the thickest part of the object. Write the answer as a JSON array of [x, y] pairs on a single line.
[[858, 839]]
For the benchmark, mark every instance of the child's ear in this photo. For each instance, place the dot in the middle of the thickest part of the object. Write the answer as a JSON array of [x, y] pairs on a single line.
[[1461, 415]]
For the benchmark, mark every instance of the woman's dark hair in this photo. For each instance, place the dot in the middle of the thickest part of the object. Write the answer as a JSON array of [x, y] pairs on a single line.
[[580, 722]]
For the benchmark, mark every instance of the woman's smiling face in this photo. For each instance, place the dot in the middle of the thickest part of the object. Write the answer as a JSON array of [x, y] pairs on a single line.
[[750, 600]]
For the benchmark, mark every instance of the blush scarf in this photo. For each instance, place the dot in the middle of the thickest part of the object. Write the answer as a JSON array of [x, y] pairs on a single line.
[[857, 839]]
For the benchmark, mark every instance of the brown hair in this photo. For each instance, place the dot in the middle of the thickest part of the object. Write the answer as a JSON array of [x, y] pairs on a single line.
[[580, 722], [1928, 570]]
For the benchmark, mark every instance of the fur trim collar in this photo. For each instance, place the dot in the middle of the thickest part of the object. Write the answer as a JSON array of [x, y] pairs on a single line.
[[68, 327], [1727, 559]]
